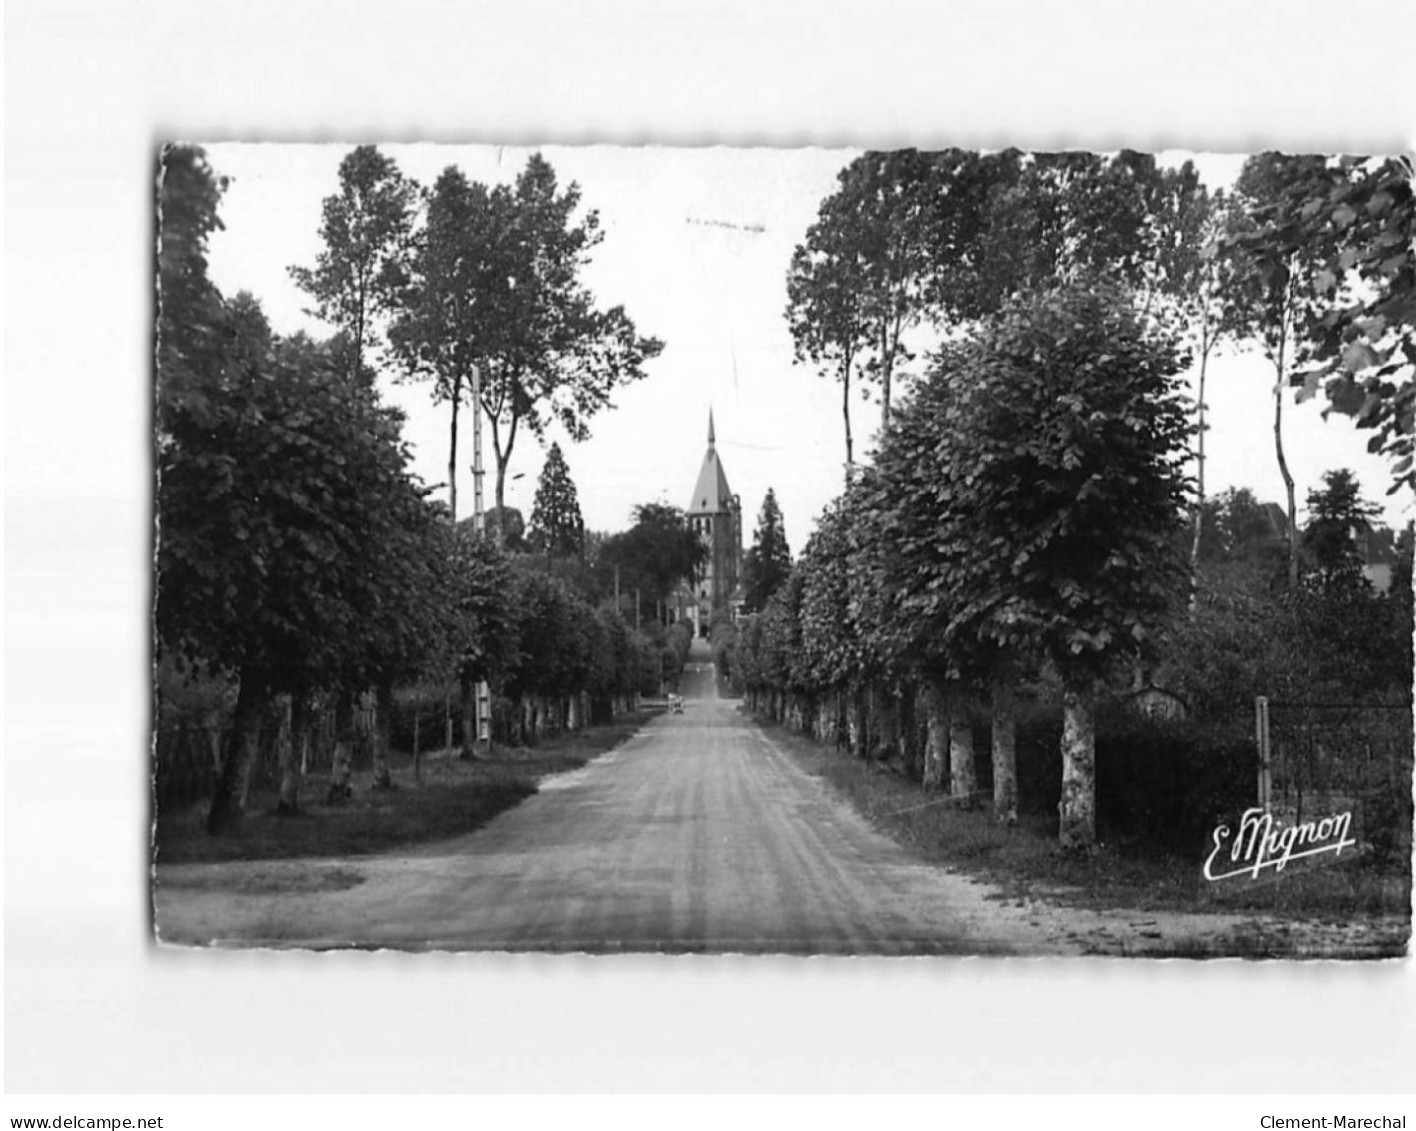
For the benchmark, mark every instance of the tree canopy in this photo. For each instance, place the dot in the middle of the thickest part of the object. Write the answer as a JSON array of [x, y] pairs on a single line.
[[768, 560], [556, 526]]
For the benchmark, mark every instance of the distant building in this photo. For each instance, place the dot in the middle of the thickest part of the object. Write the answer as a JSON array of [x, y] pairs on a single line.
[[715, 515]]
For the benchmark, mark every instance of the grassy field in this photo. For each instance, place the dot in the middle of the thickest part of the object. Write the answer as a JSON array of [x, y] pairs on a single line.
[[1026, 860], [452, 797]]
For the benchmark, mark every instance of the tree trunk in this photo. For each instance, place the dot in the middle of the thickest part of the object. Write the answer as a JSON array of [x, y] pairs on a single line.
[[859, 736], [228, 806], [467, 688], [936, 745], [342, 765], [846, 413], [887, 726], [909, 744], [1279, 386], [383, 736], [963, 780], [1200, 451], [364, 729], [452, 451], [417, 744], [284, 722], [1077, 809], [887, 372], [1005, 753]]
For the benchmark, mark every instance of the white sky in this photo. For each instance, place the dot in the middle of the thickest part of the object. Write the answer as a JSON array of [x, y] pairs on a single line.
[[716, 296]]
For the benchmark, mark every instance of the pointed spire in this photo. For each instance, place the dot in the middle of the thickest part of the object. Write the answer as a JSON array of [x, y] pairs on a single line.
[[710, 426]]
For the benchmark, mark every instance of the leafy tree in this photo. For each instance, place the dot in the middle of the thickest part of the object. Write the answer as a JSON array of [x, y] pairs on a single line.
[[1203, 278], [826, 304], [365, 231], [554, 638], [1357, 217], [1338, 516], [1011, 223], [1033, 489], [657, 553], [556, 526], [561, 357], [769, 560], [287, 521], [481, 621], [194, 327], [496, 284], [1278, 291], [1241, 532], [456, 308]]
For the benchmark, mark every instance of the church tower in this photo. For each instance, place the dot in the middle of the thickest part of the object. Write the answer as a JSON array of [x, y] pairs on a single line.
[[715, 515]]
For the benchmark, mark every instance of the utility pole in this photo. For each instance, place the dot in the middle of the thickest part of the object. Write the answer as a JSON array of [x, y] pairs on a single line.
[[479, 524]]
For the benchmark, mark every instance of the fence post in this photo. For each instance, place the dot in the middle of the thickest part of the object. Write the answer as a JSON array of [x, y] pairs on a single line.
[[1261, 735]]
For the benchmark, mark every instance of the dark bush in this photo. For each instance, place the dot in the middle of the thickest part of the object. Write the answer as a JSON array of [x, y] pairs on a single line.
[[1160, 786]]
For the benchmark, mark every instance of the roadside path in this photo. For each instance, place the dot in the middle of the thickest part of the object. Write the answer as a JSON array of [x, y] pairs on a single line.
[[698, 834]]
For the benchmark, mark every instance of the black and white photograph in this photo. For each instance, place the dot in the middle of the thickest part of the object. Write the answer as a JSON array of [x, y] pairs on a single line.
[[689, 565], [726, 550]]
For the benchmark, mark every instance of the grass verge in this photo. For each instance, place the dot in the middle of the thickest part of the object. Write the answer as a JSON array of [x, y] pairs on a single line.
[[1026, 861], [453, 797]]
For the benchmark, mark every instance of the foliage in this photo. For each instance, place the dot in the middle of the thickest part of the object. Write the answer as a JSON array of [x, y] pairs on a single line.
[[561, 357], [193, 324], [553, 637], [365, 231], [1337, 518], [1354, 219], [872, 236], [556, 526], [657, 553], [769, 560], [456, 306], [507, 526], [1032, 487], [292, 541]]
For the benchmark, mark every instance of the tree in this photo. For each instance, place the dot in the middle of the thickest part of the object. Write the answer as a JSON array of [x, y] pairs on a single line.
[[657, 553], [1357, 216], [556, 526], [1204, 277], [1240, 531], [496, 284], [1032, 490], [193, 325], [289, 549], [1277, 292], [863, 277], [365, 231], [456, 308], [1338, 517], [825, 305], [560, 357], [768, 561]]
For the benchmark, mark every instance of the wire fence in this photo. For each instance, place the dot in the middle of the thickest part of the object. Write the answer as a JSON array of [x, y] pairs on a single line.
[[1317, 759]]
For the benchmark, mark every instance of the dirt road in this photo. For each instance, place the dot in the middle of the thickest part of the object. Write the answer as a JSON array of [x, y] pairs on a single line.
[[698, 834]]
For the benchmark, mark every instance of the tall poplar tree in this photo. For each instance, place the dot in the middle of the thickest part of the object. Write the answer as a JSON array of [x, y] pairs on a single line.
[[365, 231]]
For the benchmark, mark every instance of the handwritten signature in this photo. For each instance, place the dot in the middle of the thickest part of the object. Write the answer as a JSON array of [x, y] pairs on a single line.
[[1262, 842]]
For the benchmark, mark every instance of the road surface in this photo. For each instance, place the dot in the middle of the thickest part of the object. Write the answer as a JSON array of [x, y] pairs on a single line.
[[698, 834]]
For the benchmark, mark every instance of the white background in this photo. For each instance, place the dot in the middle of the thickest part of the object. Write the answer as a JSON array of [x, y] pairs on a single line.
[[90, 88]]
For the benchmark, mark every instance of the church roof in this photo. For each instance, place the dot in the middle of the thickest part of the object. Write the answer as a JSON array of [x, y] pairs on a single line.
[[711, 494]]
